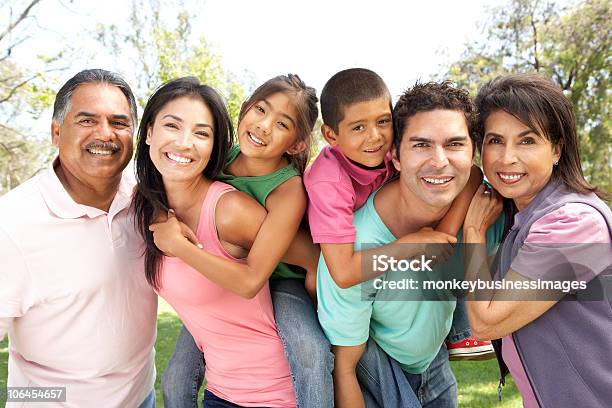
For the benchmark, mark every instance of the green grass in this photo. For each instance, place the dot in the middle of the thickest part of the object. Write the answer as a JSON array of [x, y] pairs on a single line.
[[477, 380]]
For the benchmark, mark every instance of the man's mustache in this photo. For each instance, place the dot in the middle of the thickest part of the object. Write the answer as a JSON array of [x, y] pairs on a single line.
[[97, 144]]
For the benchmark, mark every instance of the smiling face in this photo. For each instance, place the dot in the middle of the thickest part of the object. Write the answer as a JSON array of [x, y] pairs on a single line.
[[181, 139], [517, 160], [435, 156], [95, 137], [269, 128], [365, 133]]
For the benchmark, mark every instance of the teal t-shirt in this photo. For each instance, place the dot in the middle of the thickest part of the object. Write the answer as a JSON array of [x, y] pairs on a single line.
[[407, 328]]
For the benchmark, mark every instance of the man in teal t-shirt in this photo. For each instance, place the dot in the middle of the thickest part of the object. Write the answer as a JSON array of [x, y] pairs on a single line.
[[433, 150]]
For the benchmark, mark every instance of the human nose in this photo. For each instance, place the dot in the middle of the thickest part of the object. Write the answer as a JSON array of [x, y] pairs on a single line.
[[183, 140], [104, 131], [375, 135], [438, 157], [265, 124], [509, 155]]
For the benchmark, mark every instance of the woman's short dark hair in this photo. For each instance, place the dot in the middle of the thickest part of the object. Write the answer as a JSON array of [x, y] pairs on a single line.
[[540, 104], [304, 99], [150, 196]]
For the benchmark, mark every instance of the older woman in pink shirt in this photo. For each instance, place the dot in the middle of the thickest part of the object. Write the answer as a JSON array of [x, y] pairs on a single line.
[[183, 139]]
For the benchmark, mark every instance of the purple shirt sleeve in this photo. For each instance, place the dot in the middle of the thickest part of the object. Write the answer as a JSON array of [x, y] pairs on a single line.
[[572, 242]]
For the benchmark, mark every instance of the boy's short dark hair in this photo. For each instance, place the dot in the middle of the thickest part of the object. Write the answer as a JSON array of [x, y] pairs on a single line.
[[430, 96], [347, 87]]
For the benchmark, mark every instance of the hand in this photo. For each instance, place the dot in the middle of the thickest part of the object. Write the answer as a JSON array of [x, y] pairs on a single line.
[[168, 232], [484, 210], [431, 243]]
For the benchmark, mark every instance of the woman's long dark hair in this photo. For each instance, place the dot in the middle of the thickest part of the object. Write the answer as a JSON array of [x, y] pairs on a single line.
[[150, 196]]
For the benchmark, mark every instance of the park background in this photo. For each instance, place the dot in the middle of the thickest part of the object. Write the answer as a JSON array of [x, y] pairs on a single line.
[[236, 45]]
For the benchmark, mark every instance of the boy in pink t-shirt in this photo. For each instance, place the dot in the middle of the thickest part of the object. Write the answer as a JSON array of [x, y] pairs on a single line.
[[357, 124]]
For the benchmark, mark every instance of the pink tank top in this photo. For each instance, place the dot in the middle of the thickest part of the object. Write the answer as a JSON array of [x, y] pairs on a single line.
[[245, 359]]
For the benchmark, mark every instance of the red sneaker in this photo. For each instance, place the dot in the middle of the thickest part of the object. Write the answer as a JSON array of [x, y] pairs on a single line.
[[470, 349]]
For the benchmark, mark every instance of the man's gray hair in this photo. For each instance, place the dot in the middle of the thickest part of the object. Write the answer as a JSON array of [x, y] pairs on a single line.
[[61, 107]]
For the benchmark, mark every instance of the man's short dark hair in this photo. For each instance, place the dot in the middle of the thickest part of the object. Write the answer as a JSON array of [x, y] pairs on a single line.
[[61, 107], [347, 87], [425, 97]]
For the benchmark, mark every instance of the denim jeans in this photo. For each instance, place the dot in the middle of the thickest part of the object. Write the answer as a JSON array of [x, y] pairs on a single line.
[[460, 329], [306, 347], [385, 384], [184, 374], [149, 402], [212, 401]]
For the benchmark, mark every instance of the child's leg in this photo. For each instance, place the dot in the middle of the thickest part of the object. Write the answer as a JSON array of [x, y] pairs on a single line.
[[347, 390], [307, 349], [459, 342], [184, 373]]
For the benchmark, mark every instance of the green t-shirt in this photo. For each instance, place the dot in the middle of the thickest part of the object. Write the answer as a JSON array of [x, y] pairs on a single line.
[[259, 187]]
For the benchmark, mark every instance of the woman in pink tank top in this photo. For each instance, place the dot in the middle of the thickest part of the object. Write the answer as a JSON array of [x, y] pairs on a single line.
[[184, 136]]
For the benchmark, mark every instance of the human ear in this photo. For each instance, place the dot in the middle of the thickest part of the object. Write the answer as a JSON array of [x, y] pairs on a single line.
[[329, 135], [395, 158], [148, 139], [298, 147], [55, 133], [557, 153]]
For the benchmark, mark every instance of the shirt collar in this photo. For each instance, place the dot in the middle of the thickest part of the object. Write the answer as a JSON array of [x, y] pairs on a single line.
[[521, 216], [359, 174], [63, 205]]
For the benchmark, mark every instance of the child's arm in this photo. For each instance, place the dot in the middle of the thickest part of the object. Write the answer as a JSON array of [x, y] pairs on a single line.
[[453, 220], [238, 219], [348, 267]]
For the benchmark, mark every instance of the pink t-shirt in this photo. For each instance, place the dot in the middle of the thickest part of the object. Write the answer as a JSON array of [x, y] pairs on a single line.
[[336, 188], [74, 300], [571, 223], [245, 359]]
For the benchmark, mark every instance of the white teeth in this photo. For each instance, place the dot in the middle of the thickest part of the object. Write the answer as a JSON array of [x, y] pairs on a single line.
[[437, 181], [178, 159], [510, 177], [372, 150], [99, 151], [256, 139]]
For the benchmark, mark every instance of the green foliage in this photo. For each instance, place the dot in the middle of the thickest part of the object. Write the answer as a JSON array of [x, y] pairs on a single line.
[[164, 52], [570, 45]]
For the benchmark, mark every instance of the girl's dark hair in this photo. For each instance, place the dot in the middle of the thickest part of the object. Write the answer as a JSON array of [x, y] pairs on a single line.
[[541, 105], [150, 196], [305, 101]]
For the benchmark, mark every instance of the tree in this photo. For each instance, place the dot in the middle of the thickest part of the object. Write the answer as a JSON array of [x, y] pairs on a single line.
[[570, 45], [24, 94], [160, 52]]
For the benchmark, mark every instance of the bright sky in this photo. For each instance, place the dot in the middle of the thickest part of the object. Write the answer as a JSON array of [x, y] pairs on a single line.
[[400, 40]]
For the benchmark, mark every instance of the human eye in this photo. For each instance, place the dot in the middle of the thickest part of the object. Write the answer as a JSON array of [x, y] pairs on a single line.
[[527, 141], [120, 124], [171, 125], [259, 108], [87, 121], [283, 125], [420, 145], [202, 134], [493, 140], [456, 145], [358, 128], [384, 122]]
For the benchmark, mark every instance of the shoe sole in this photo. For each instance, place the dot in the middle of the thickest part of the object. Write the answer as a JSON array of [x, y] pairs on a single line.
[[473, 355]]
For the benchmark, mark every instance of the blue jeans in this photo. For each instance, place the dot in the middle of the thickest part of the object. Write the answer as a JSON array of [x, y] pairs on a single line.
[[212, 401], [306, 347], [385, 384], [460, 329], [149, 402]]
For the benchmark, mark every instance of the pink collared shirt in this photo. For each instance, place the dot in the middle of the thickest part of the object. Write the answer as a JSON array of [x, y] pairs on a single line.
[[73, 297], [337, 188]]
